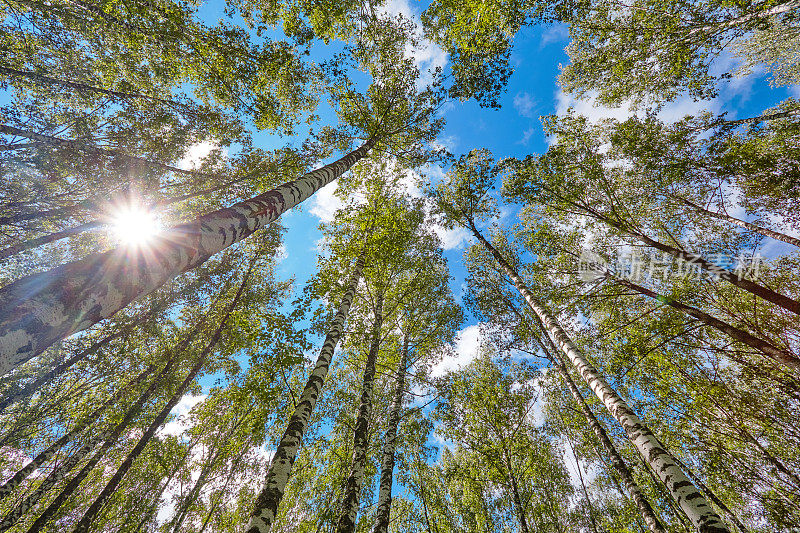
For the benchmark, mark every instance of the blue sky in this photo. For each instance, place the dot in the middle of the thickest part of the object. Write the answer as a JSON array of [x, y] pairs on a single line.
[[515, 130]]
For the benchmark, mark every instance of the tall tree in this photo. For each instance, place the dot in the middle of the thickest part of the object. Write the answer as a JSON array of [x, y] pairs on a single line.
[[463, 200]]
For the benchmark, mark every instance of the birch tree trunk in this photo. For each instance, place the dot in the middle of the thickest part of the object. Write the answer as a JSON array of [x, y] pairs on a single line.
[[48, 453], [743, 283], [681, 490], [648, 515], [56, 371], [112, 438], [352, 490], [743, 223], [91, 513], [713, 497], [773, 352], [55, 476], [266, 504], [38, 310], [389, 447]]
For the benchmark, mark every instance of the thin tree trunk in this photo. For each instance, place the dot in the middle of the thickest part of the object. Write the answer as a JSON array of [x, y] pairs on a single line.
[[580, 474], [773, 352], [687, 496], [743, 283], [744, 224], [781, 8], [40, 309], [759, 118], [213, 502], [162, 487], [761, 291], [42, 79], [268, 500], [31, 388], [112, 439], [346, 522], [183, 511], [390, 444], [58, 473], [47, 239], [523, 522], [91, 513], [645, 509], [46, 454], [89, 149], [771, 459]]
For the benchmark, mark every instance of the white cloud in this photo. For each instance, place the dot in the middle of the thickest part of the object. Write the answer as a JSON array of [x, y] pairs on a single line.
[[524, 104], [428, 55], [526, 136], [282, 253], [410, 182], [434, 173], [324, 203], [452, 238], [588, 471], [196, 153], [554, 34], [589, 107], [448, 142], [682, 107], [466, 350], [180, 423], [737, 89], [438, 440]]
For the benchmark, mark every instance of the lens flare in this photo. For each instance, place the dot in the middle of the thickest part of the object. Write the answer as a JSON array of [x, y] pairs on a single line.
[[135, 226]]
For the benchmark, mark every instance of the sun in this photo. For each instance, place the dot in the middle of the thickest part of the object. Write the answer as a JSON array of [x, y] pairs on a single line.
[[135, 226]]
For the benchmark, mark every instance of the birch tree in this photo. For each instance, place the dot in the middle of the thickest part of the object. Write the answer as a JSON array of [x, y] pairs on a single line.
[[462, 200]]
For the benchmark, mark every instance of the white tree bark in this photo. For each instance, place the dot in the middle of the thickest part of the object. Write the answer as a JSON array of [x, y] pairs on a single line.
[[686, 495], [268, 500], [390, 445], [38, 310], [346, 522]]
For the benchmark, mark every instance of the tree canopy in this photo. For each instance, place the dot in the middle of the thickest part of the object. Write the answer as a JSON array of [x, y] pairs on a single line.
[[308, 267]]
